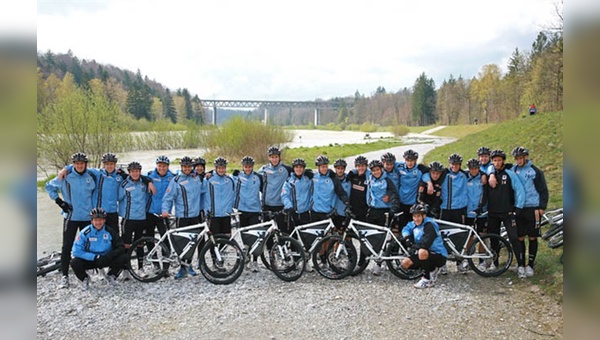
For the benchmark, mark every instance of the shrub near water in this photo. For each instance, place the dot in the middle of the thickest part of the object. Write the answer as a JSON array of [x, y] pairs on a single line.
[[239, 137]]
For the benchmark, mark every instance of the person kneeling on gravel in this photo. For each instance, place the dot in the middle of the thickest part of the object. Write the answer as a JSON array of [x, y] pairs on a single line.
[[98, 246], [422, 236]]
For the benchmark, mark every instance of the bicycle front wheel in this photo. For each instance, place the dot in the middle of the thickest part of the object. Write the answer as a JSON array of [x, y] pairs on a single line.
[[148, 259], [491, 255], [552, 231], [287, 258], [334, 258], [221, 262], [48, 264]]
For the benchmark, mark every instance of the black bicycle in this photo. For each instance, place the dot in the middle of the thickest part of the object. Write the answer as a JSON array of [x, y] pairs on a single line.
[[48, 263]]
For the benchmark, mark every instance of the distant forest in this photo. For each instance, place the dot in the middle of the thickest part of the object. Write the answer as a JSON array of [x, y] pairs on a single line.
[[534, 76]]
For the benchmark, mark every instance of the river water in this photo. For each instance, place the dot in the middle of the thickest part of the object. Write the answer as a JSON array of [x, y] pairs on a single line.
[[49, 219]]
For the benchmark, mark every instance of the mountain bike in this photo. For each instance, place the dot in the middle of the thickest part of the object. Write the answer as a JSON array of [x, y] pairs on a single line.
[[378, 242], [286, 258], [48, 263], [221, 260], [493, 252]]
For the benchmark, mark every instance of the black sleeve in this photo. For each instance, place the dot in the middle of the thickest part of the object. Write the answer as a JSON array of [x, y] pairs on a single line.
[[118, 248], [288, 168], [146, 179], [423, 168], [262, 181], [392, 193], [541, 187], [350, 175], [484, 196], [429, 236], [421, 192], [339, 190], [309, 173], [122, 173]]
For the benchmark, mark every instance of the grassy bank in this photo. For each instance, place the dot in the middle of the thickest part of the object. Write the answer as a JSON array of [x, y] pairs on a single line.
[[542, 135]]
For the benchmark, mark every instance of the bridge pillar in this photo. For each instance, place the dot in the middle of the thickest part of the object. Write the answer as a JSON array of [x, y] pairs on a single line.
[[266, 121], [214, 115], [316, 116]]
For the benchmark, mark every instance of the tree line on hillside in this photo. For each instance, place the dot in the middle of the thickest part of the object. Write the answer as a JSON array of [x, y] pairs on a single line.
[[533, 77]]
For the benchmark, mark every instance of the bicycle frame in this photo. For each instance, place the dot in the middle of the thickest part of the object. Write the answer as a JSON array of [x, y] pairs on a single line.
[[261, 235], [193, 237], [373, 229], [458, 229], [308, 228]]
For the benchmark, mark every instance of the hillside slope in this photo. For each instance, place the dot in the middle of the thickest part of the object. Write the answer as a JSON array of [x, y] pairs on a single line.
[[541, 134]]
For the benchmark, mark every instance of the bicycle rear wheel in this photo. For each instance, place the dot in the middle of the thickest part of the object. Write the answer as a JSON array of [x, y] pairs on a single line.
[[288, 259], [552, 231], [334, 258], [149, 260], [395, 265], [556, 240], [493, 261], [48, 264], [221, 262]]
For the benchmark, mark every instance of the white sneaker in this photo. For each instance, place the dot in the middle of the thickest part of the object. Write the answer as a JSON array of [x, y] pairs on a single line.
[[377, 270], [254, 266], [309, 267], [125, 276], [433, 275], [521, 272], [492, 268], [462, 267], [444, 270], [528, 271], [423, 283], [64, 282], [482, 267], [111, 280], [85, 284]]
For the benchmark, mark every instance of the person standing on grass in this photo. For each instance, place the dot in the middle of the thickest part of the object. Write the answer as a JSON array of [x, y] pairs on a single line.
[[536, 202], [504, 201]]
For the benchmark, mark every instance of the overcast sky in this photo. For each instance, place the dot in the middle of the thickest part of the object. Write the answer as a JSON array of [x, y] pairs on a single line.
[[292, 50]]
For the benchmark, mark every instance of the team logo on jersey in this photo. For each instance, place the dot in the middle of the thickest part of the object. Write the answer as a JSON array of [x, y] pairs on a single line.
[[118, 178], [88, 180], [105, 236], [184, 182], [93, 239], [130, 188], [280, 170]]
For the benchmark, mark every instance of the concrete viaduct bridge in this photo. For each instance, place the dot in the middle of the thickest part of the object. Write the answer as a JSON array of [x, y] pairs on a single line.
[[267, 104]]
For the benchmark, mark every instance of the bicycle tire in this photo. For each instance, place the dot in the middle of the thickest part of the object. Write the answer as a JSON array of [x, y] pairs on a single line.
[[149, 269], [395, 265], [328, 264], [552, 231], [221, 262], [556, 240], [265, 256], [360, 267], [500, 260], [48, 264], [288, 259]]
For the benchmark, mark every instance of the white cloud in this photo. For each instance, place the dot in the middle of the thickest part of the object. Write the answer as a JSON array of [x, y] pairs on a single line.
[[300, 51]]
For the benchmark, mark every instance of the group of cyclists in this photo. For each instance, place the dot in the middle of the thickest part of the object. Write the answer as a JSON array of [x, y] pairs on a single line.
[[372, 191]]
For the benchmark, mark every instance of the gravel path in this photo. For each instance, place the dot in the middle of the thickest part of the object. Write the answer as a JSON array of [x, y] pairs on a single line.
[[260, 306]]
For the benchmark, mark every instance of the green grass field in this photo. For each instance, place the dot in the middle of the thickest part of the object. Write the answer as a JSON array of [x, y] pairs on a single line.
[[460, 131], [543, 136]]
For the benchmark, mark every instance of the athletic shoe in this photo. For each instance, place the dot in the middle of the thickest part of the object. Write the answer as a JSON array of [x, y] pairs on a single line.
[[482, 267], [64, 282], [85, 284], [254, 266], [125, 276], [181, 274], [191, 271], [308, 268], [492, 268], [521, 272], [444, 270], [423, 283], [377, 270], [433, 275], [528, 271], [462, 267]]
